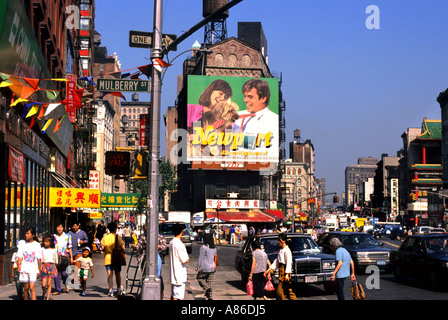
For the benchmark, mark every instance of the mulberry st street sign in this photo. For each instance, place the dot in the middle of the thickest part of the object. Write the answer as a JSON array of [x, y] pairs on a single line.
[[122, 85]]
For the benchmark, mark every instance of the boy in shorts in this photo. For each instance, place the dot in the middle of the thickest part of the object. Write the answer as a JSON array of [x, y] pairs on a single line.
[[86, 268]]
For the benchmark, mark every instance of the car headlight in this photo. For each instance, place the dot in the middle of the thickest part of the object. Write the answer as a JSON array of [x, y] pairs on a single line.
[[329, 265], [362, 255], [445, 264]]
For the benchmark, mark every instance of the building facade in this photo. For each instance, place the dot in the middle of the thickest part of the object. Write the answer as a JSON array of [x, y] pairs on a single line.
[[234, 191], [36, 46], [355, 175]]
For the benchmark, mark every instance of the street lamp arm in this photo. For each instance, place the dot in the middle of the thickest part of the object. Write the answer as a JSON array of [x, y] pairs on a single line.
[[200, 25]]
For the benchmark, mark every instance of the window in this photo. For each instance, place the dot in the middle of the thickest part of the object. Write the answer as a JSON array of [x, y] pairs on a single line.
[[84, 23]]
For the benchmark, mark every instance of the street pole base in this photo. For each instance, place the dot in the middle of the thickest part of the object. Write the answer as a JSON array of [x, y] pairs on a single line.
[[151, 289]]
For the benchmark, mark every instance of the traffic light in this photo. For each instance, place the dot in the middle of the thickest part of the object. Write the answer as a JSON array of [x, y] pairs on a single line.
[[141, 164], [335, 199], [117, 163]]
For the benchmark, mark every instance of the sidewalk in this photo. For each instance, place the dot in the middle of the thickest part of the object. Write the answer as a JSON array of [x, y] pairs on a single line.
[[97, 287]]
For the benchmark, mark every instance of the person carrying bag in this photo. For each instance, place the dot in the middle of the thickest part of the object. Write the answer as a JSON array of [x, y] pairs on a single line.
[[357, 291]]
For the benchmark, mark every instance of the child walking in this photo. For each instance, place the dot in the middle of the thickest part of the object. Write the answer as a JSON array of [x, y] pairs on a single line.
[[86, 268], [48, 270], [29, 263], [15, 271]]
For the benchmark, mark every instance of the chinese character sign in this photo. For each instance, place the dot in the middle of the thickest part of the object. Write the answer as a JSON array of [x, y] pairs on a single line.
[[94, 179], [232, 204], [120, 199], [80, 198]]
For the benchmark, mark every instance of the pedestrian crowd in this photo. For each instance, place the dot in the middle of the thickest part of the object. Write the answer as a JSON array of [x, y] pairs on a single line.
[[65, 255]]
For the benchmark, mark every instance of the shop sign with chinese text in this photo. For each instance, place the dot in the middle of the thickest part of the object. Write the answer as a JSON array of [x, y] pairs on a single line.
[[70, 197]]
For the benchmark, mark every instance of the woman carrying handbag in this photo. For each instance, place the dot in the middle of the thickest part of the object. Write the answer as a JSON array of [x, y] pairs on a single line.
[[109, 243], [259, 263]]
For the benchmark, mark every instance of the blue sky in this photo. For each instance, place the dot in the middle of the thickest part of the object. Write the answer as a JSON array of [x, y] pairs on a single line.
[[352, 91]]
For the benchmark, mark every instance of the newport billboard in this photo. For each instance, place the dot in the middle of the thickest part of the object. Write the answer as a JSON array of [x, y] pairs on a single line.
[[233, 122]]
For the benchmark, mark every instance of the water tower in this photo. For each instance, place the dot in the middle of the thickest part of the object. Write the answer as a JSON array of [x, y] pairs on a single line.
[[216, 29]]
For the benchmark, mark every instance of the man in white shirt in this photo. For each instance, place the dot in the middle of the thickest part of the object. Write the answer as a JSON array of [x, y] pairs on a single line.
[[178, 258], [259, 124]]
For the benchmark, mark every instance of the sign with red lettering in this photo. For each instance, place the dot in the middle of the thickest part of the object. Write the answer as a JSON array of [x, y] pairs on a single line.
[[118, 163], [79, 198], [70, 107], [16, 166]]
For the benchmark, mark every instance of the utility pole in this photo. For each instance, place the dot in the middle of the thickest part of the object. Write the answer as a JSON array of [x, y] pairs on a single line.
[[151, 289]]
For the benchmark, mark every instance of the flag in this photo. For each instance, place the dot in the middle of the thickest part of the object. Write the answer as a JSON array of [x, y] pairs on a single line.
[[5, 84], [162, 63], [33, 121], [146, 70], [18, 101], [51, 107], [58, 124], [41, 112], [116, 94], [47, 124], [32, 112], [89, 79]]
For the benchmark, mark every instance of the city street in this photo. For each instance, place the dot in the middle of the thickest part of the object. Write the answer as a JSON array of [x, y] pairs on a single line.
[[227, 284]]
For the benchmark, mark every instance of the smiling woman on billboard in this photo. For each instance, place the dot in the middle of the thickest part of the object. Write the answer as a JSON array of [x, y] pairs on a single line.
[[242, 129]]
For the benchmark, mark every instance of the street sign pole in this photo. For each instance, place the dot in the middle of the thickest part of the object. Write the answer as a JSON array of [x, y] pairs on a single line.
[[151, 289]]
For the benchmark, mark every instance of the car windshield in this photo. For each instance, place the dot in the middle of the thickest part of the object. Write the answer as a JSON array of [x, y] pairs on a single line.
[[437, 244], [359, 240], [296, 244], [167, 228]]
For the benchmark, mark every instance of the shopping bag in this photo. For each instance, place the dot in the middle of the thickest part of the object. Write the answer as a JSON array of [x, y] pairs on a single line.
[[269, 286], [357, 291], [250, 288]]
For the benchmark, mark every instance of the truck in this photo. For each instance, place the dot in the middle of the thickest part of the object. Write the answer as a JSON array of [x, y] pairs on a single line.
[[331, 224], [180, 216]]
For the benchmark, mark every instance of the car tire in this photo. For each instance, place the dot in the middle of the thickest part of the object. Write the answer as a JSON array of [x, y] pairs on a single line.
[[433, 281], [399, 274]]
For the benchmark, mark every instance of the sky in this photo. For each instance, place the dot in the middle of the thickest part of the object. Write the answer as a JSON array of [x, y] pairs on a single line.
[[350, 88]]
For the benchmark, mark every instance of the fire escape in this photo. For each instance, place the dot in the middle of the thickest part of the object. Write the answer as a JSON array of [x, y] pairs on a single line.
[[83, 160]]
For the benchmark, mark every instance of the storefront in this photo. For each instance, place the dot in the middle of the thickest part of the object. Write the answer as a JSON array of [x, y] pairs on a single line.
[[24, 199]]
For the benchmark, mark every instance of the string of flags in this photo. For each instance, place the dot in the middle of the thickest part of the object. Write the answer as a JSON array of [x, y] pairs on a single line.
[[23, 89]]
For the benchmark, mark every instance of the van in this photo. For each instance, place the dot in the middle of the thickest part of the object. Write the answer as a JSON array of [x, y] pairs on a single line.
[[214, 226], [166, 230]]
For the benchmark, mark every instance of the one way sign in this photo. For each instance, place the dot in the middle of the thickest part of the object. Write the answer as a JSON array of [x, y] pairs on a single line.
[[141, 39]]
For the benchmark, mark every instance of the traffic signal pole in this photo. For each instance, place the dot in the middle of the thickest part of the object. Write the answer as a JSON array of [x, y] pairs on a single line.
[[151, 288]]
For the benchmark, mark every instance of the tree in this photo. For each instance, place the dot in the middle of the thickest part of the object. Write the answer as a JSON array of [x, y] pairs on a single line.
[[169, 178]]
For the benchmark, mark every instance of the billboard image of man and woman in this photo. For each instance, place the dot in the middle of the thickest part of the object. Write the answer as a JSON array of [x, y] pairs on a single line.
[[233, 122]]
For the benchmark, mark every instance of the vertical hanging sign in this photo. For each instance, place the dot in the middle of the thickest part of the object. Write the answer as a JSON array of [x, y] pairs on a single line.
[[16, 166], [70, 106]]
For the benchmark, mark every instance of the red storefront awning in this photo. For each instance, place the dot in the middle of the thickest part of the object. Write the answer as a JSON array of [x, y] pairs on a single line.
[[243, 216], [276, 213]]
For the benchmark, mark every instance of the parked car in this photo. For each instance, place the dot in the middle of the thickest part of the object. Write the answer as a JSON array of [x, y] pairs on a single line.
[[424, 257], [437, 230], [393, 231], [363, 248], [310, 264], [166, 230], [423, 229]]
